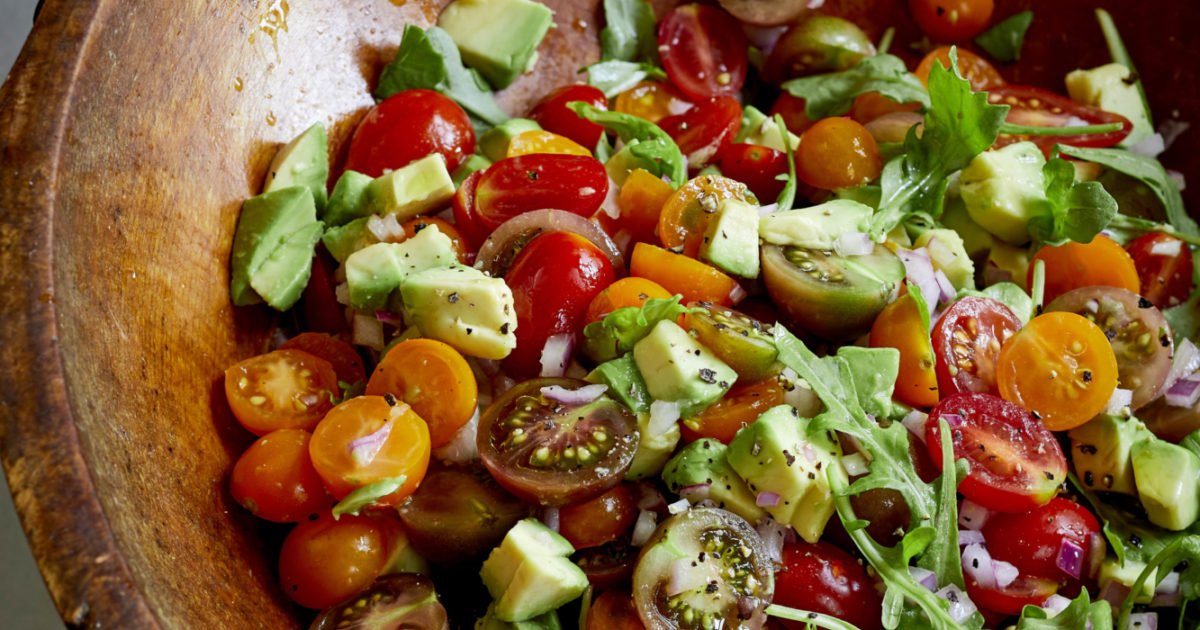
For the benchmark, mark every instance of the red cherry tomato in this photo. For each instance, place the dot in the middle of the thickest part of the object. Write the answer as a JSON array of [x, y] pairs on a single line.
[[967, 340], [1009, 600], [319, 309], [408, 126], [553, 115], [1031, 541], [703, 51], [326, 561], [1035, 107], [347, 365], [519, 184], [466, 218], [599, 520], [757, 167], [1164, 266], [284, 389], [952, 20], [822, 578], [792, 110], [553, 280], [1016, 463], [704, 130]]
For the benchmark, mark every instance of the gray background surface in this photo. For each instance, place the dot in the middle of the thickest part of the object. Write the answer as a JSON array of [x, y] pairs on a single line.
[[24, 602]]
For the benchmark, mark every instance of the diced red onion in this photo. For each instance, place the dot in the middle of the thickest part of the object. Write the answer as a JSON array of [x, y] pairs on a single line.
[[1186, 361], [946, 288], [1005, 573], [663, 414], [853, 244], [970, 537], [649, 498], [1150, 146], [971, 515], [1055, 604], [1180, 180], [1092, 305], [1167, 593], [961, 606], [855, 464], [385, 229], [581, 396], [1143, 621], [550, 518], [462, 448], [556, 354], [737, 294], [388, 317], [341, 293], [1121, 398], [1070, 558], [919, 271], [696, 492], [914, 421], [1184, 392], [1115, 593], [952, 419], [684, 577], [816, 4], [623, 240], [643, 528], [497, 243], [767, 499], [977, 563], [801, 397], [924, 577], [364, 449], [1170, 247], [773, 534], [678, 507], [368, 331]]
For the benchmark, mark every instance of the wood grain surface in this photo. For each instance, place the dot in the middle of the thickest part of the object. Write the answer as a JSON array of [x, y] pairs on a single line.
[[130, 134]]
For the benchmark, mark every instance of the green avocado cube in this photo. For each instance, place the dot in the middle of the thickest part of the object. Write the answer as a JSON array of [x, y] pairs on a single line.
[[265, 224], [653, 450], [284, 274], [1100, 450], [1113, 88], [758, 128], [731, 240], [529, 573], [547, 621], [349, 199], [493, 144], [1004, 189], [1167, 477], [375, 271], [704, 462], [625, 383], [677, 368], [499, 38], [464, 308], [343, 240], [415, 189], [302, 162], [815, 227]]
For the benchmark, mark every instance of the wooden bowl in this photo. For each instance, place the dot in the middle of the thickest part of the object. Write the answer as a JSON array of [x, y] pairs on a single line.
[[131, 135]]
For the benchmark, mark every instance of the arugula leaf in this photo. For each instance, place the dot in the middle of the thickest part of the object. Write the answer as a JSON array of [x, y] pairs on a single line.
[[1076, 211], [1082, 612], [360, 498], [644, 138], [1003, 41], [833, 94], [787, 196], [1184, 319], [942, 556], [1124, 228], [1146, 169], [812, 619], [628, 33], [430, 60], [959, 125], [615, 335], [615, 76]]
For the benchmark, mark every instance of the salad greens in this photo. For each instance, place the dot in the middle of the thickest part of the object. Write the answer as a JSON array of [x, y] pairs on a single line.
[[615, 335], [1080, 613], [833, 94], [628, 33], [1077, 211], [787, 196], [1004, 40], [645, 140], [615, 76]]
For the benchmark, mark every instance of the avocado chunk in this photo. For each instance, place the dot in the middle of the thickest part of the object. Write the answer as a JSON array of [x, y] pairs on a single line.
[[474, 162], [493, 144], [499, 38], [653, 451], [302, 162], [624, 162], [776, 453], [874, 371], [1100, 450], [266, 223], [343, 240], [704, 462], [374, 272], [816, 227], [948, 253], [463, 307], [1167, 477], [731, 240], [348, 200], [1111, 570], [678, 369], [546, 621], [1004, 189], [529, 573], [758, 128], [1113, 88], [284, 274], [976, 240], [419, 187], [624, 381], [1009, 261]]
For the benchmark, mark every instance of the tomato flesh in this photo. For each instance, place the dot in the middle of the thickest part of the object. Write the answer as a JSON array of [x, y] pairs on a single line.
[[703, 51], [599, 520], [1031, 541], [1035, 107], [952, 20], [516, 185], [900, 326], [967, 340], [553, 114], [1164, 267], [757, 166], [409, 126], [284, 389], [703, 131]]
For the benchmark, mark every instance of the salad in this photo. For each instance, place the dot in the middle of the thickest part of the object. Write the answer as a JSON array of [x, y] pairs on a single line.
[[754, 328]]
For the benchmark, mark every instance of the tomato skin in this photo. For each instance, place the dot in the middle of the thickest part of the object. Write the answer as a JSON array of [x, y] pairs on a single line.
[[967, 340], [319, 309], [519, 184], [344, 359], [432, 377], [1036, 107], [275, 480], [408, 126], [623, 293], [1024, 591], [686, 213], [284, 389], [599, 520], [1030, 541], [899, 326], [703, 51], [952, 20], [1016, 463], [553, 279], [553, 115], [466, 215], [757, 167], [822, 578], [837, 153], [641, 201], [703, 131], [677, 273], [873, 105], [982, 75], [740, 406], [613, 610], [326, 561], [466, 254], [1073, 265], [652, 101], [1165, 280]]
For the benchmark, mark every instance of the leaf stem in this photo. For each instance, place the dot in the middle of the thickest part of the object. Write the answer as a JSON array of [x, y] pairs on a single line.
[[1116, 49], [1028, 130], [811, 618], [885, 42]]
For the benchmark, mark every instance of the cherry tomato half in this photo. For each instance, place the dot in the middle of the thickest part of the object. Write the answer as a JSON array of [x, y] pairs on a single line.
[[347, 365], [743, 404], [1073, 265], [704, 130], [408, 126], [275, 480], [652, 101], [967, 340], [466, 215], [1035, 107], [613, 610], [952, 20], [624, 293], [325, 561], [756, 166], [553, 115], [641, 202], [1016, 463], [1009, 600], [686, 213], [703, 51], [598, 520], [899, 325], [982, 75], [837, 153], [516, 185], [1164, 265], [694, 280], [822, 578], [1032, 541], [432, 377], [284, 389]]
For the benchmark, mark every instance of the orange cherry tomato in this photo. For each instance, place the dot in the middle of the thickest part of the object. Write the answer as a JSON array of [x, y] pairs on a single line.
[[599, 520], [613, 610], [641, 201], [1073, 265], [652, 101], [872, 105], [628, 291], [397, 443], [899, 326], [347, 365], [686, 213], [837, 153], [1061, 367], [982, 75], [432, 377], [541, 141], [676, 273], [743, 404], [284, 389], [275, 480], [466, 255], [326, 561], [952, 20], [792, 109]]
